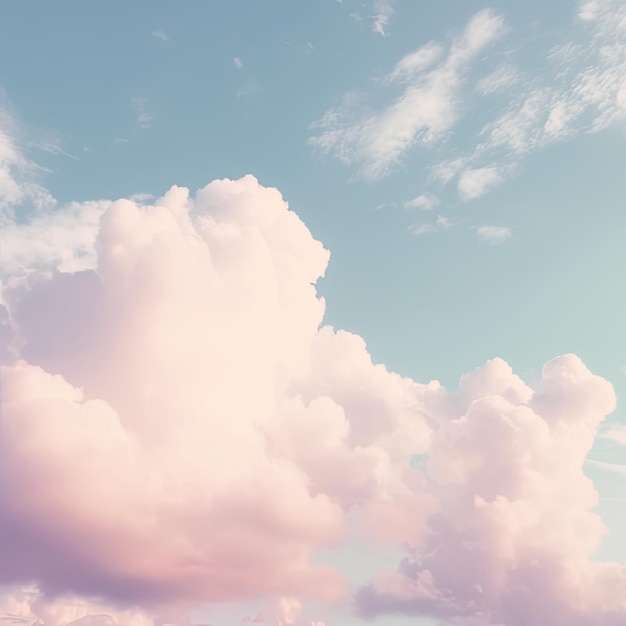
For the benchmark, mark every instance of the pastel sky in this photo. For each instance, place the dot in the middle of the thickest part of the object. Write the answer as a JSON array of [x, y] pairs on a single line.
[[312, 313]]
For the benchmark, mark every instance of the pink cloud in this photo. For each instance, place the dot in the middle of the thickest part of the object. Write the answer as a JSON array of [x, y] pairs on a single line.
[[513, 535], [179, 429], [170, 432]]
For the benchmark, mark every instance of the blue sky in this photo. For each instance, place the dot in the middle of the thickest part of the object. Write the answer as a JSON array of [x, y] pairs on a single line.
[[462, 161]]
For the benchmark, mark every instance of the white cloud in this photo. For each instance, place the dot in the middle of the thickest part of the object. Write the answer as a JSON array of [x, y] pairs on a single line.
[[416, 62], [578, 85], [237, 63], [617, 433], [383, 12], [493, 234], [160, 34], [424, 113], [18, 175], [613, 468], [501, 79], [425, 202], [62, 239], [441, 223], [474, 183], [144, 117]]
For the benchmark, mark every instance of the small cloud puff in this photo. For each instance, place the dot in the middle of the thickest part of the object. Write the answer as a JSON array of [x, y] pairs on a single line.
[[383, 11], [474, 183], [237, 63], [160, 34], [441, 223], [493, 234], [425, 201]]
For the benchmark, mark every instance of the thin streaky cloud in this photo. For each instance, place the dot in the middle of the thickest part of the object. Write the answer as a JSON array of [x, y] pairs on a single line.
[[143, 116], [426, 110], [161, 34], [441, 223], [617, 434]]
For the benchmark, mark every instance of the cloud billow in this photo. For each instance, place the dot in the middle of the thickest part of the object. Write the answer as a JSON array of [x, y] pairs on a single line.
[[179, 428]]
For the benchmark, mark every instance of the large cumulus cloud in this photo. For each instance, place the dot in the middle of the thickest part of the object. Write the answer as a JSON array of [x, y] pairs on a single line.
[[169, 429], [178, 427]]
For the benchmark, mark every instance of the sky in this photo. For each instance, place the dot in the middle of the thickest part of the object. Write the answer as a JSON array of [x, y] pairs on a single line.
[[312, 314]]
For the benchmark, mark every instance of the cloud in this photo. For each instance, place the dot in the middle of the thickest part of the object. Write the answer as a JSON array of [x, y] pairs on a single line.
[[28, 606], [579, 87], [383, 13], [617, 434], [474, 183], [613, 468], [575, 84], [237, 63], [179, 428], [425, 201], [18, 175], [512, 537], [161, 34], [144, 117], [62, 239], [493, 234], [441, 223], [502, 78], [219, 440], [426, 110]]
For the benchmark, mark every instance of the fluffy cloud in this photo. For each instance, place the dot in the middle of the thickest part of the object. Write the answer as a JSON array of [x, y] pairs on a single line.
[[178, 428], [513, 534], [174, 420], [28, 606], [474, 183]]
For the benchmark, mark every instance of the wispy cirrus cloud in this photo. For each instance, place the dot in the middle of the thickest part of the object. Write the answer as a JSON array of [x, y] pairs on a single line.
[[441, 223], [616, 433], [383, 11], [144, 117], [578, 85], [427, 108], [19, 175], [161, 34]]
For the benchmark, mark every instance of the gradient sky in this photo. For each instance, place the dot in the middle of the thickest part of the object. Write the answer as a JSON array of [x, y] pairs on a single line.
[[172, 390]]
